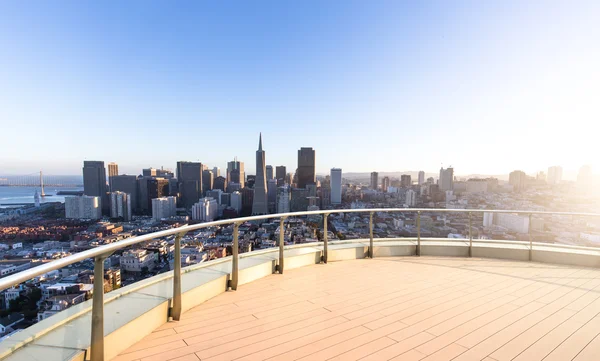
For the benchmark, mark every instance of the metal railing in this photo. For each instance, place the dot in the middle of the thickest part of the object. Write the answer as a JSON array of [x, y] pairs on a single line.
[[99, 254]]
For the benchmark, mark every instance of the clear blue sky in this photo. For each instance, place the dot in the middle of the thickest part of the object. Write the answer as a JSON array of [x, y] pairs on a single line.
[[486, 86]]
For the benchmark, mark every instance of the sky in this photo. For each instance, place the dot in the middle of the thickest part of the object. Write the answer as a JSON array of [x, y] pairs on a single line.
[[485, 86]]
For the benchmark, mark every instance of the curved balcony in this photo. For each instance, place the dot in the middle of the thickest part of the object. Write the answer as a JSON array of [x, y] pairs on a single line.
[[400, 298]]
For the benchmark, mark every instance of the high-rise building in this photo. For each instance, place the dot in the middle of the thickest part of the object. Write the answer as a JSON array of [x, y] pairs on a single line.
[[405, 180], [155, 188], [225, 199], [283, 199], [207, 180], [113, 170], [216, 172], [250, 180], [164, 207], [336, 185], [215, 194], [153, 172], [236, 201], [385, 183], [83, 207], [555, 175], [205, 210], [289, 179], [421, 177], [446, 181], [269, 169], [235, 173], [189, 176], [127, 184], [517, 179], [306, 167], [232, 187], [324, 194], [411, 198], [260, 202], [247, 200], [120, 205], [374, 176], [220, 183], [94, 182], [299, 200], [272, 195], [280, 175]]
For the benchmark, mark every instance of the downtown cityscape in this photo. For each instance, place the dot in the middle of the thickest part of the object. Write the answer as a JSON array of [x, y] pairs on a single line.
[[299, 181]]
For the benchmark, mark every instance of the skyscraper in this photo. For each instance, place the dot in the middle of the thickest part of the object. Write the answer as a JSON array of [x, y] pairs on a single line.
[[374, 176], [272, 195], [127, 184], [280, 175], [163, 207], [120, 205], [517, 180], [306, 167], [269, 169], [207, 180], [216, 172], [94, 182], [555, 175], [83, 207], [385, 183], [235, 173], [113, 171], [405, 180], [446, 181], [421, 177], [220, 183], [259, 203], [189, 176], [336, 185]]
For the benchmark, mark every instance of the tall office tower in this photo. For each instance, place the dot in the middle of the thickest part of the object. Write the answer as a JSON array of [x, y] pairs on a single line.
[[299, 200], [305, 173], [421, 177], [215, 194], [324, 194], [283, 199], [555, 175], [405, 180], [269, 169], [94, 182], [155, 188], [336, 185], [260, 203], [225, 199], [280, 175], [120, 205], [235, 173], [247, 200], [83, 207], [385, 183], [189, 176], [205, 210], [374, 176], [127, 184], [430, 180], [164, 207], [517, 180], [250, 180], [207, 180], [149, 172], [585, 177], [272, 195], [216, 172], [411, 198], [113, 170], [446, 181], [232, 187], [220, 183], [173, 187], [236, 201], [289, 178]]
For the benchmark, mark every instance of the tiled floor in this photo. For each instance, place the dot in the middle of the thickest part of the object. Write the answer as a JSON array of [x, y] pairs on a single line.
[[404, 308]]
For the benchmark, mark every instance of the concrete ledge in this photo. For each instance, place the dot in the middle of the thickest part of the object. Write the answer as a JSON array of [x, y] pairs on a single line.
[[134, 311]]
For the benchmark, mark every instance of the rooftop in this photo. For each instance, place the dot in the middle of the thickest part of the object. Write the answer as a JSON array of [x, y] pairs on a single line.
[[400, 308]]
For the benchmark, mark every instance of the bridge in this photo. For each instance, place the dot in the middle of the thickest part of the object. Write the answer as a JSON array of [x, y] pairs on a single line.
[[37, 179], [369, 299]]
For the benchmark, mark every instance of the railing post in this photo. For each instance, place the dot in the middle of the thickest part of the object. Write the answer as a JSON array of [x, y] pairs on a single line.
[[234, 252], [530, 238], [371, 235], [470, 235], [176, 308], [281, 244], [97, 341], [419, 233], [325, 237]]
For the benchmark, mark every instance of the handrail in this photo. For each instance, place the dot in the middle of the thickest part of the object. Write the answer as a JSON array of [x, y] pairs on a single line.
[[100, 253], [23, 276]]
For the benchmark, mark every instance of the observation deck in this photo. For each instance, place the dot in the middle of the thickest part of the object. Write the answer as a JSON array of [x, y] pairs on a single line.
[[368, 299]]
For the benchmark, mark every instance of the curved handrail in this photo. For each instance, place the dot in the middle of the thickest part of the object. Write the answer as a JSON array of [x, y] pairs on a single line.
[[23, 276]]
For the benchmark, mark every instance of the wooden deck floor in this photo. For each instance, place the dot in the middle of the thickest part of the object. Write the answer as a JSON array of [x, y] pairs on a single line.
[[405, 308]]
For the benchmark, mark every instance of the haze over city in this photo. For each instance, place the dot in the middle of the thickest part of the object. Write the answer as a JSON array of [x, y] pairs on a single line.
[[388, 86]]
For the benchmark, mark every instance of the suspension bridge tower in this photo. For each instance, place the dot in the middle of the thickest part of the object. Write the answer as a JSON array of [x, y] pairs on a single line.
[[42, 194]]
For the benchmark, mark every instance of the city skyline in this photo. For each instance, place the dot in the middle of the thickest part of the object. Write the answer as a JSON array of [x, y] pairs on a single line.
[[485, 87]]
